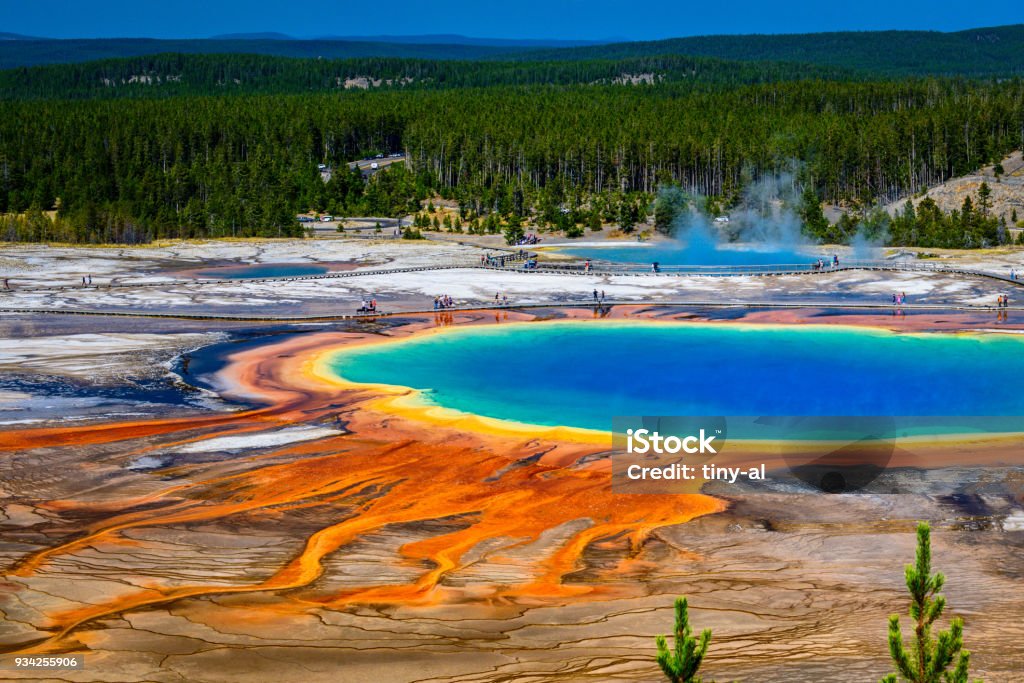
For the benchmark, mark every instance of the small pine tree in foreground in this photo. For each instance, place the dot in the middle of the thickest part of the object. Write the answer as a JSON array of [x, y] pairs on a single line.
[[926, 659], [682, 663]]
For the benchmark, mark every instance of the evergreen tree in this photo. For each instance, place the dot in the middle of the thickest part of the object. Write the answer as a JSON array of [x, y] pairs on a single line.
[[682, 663], [513, 233], [815, 223], [984, 198], [669, 204], [927, 658], [410, 233], [628, 215]]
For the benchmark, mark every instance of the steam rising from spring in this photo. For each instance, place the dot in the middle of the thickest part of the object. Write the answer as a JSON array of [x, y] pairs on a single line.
[[764, 227]]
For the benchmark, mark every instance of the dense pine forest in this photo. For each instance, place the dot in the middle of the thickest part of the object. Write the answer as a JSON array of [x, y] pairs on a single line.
[[171, 75], [562, 145]]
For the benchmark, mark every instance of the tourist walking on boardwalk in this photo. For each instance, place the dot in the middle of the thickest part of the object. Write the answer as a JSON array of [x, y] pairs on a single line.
[[7, 283], [595, 295], [602, 296]]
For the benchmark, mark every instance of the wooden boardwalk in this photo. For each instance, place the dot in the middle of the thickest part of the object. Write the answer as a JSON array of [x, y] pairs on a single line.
[[574, 269]]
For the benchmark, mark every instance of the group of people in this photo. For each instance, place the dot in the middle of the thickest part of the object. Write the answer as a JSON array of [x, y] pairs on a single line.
[[1002, 301], [899, 298], [443, 301], [822, 264], [599, 296], [368, 306], [500, 298], [529, 238], [86, 280]]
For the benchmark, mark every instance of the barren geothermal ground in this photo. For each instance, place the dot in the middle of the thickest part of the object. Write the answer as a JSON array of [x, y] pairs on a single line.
[[185, 497]]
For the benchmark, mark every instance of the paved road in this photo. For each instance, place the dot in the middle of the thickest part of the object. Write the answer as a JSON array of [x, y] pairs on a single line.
[[365, 166]]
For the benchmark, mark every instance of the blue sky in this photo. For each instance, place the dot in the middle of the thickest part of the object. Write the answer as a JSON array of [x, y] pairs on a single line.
[[576, 19]]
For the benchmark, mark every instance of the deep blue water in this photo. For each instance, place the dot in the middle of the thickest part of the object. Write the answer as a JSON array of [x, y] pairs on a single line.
[[583, 373], [262, 270]]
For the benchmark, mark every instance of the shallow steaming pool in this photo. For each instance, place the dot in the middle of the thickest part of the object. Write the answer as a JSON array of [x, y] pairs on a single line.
[[672, 254]]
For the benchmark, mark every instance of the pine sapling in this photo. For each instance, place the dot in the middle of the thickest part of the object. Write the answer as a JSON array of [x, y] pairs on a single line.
[[927, 658], [682, 663]]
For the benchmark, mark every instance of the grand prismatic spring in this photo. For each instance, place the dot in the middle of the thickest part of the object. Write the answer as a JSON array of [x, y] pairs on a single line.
[[438, 485], [579, 374]]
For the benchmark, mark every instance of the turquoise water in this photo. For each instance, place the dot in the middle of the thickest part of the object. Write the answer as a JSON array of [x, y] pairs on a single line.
[[582, 374], [261, 270], [674, 254]]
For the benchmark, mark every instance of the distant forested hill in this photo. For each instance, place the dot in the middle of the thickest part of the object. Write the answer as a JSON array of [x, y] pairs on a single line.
[[14, 53], [976, 52], [177, 74]]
